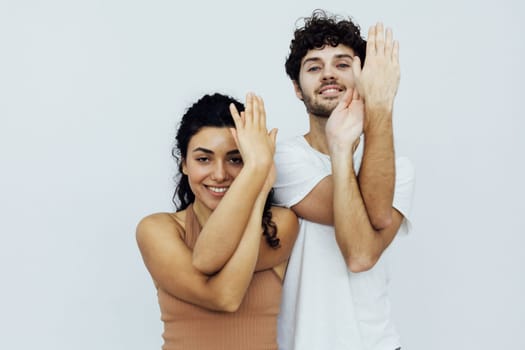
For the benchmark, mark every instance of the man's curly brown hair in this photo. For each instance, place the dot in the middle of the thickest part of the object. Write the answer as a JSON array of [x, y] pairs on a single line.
[[319, 30]]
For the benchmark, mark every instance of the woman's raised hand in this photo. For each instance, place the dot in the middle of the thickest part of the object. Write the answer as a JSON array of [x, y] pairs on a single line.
[[256, 144]]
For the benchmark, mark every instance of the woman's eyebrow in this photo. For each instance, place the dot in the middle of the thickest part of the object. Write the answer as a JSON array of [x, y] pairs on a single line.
[[202, 149], [209, 151]]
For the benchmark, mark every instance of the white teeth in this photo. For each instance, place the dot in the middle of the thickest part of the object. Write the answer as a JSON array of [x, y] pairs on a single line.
[[330, 91], [218, 189]]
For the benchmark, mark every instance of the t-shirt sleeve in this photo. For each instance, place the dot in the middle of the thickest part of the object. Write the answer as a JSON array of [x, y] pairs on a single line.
[[404, 191], [298, 172]]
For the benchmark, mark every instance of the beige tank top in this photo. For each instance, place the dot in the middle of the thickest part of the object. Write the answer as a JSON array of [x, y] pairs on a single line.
[[252, 326]]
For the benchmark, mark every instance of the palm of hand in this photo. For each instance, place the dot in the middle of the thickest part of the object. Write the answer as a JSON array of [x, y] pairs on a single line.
[[345, 125], [256, 144], [378, 81]]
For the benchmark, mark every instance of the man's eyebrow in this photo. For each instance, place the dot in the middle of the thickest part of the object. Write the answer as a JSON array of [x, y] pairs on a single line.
[[311, 59], [344, 55], [316, 59]]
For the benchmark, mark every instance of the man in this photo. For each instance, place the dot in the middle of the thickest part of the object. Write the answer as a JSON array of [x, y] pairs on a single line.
[[352, 202]]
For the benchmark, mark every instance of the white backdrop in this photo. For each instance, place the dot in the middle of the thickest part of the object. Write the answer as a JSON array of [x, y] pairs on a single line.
[[90, 94]]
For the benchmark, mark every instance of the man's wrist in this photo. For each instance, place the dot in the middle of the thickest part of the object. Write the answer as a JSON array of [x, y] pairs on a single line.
[[378, 119], [380, 107]]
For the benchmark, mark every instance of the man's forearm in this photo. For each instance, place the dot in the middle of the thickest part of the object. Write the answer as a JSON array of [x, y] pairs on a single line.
[[377, 171], [357, 239]]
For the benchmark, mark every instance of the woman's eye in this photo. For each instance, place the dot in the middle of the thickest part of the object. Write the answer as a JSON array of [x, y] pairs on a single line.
[[202, 159], [236, 160]]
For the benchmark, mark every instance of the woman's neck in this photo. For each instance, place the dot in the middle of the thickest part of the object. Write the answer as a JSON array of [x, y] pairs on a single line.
[[202, 213]]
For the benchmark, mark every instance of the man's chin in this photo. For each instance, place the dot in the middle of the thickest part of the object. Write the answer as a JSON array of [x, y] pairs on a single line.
[[320, 115], [321, 111], [321, 108]]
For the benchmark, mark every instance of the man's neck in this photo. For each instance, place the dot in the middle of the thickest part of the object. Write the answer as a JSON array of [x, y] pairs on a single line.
[[316, 136]]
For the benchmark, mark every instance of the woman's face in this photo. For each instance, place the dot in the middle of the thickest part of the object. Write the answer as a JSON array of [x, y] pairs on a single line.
[[212, 163]]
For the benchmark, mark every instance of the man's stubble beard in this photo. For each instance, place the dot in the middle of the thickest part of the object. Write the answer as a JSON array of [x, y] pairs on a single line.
[[318, 109]]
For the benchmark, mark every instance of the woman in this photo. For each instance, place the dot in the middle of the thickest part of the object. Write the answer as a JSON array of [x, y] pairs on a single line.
[[218, 261]]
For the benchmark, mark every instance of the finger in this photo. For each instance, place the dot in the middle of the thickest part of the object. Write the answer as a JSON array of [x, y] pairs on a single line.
[[356, 69], [235, 138], [380, 39], [356, 66], [355, 95], [256, 115], [345, 100], [257, 111], [273, 136], [237, 120], [388, 42], [262, 113], [248, 111], [371, 41], [395, 52]]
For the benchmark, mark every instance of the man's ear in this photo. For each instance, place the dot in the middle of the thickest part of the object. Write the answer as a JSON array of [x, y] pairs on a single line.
[[297, 89]]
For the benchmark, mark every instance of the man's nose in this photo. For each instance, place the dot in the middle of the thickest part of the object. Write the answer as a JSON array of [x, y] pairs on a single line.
[[328, 73]]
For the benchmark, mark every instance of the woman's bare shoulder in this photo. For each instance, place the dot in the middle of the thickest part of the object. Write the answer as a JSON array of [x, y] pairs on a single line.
[[159, 223]]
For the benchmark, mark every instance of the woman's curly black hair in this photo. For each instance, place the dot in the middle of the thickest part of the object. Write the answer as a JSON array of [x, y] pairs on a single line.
[[319, 30], [211, 110]]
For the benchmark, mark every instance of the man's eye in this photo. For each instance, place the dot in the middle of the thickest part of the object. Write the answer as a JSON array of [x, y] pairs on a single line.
[[343, 65], [313, 69], [202, 159]]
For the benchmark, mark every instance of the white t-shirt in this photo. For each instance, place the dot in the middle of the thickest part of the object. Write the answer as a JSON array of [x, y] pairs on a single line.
[[325, 305]]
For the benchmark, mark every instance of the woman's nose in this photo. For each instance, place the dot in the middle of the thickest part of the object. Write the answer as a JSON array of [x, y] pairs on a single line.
[[219, 172]]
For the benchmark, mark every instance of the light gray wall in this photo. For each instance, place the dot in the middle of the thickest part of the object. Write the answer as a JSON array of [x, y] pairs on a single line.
[[90, 93]]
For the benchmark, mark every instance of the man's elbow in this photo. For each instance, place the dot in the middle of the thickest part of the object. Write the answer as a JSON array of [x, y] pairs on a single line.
[[381, 221], [361, 263]]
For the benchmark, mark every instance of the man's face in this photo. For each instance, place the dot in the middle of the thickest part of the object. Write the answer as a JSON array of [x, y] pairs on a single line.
[[324, 77]]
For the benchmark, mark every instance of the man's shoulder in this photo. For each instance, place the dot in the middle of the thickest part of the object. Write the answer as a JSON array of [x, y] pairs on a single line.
[[296, 145], [296, 141]]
